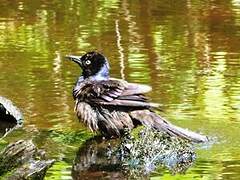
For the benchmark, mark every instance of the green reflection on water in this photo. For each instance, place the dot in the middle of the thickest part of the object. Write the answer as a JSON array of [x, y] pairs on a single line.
[[188, 51]]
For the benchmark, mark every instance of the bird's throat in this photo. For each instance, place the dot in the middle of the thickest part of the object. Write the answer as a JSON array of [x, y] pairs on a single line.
[[103, 74]]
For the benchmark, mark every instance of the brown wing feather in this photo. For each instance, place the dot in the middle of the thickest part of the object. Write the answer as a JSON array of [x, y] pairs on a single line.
[[133, 88], [114, 92]]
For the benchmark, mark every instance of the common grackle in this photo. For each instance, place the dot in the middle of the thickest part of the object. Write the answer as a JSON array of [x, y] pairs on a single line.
[[111, 105]]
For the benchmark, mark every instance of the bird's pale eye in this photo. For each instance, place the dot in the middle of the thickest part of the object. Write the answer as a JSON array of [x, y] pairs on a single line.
[[88, 62]]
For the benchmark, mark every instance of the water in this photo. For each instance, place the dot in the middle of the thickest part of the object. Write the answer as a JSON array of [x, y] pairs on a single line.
[[188, 51]]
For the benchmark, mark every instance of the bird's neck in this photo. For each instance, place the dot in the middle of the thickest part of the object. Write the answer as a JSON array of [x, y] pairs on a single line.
[[103, 74]]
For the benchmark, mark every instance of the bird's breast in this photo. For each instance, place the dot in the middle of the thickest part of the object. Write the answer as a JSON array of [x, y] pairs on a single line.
[[86, 114]]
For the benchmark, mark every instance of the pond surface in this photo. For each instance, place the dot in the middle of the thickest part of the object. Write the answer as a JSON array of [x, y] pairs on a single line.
[[188, 51]]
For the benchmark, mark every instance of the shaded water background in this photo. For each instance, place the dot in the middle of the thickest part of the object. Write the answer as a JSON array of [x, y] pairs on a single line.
[[188, 51]]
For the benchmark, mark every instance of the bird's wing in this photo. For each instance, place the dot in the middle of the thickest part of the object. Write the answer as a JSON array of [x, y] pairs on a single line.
[[114, 92]]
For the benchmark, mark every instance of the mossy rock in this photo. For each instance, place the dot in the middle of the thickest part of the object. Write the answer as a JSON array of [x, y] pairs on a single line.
[[22, 160]]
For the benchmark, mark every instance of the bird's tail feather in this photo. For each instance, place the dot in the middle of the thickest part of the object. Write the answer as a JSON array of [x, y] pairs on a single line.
[[153, 120]]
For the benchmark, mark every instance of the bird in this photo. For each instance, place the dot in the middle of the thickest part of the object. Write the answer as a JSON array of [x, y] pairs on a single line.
[[111, 105]]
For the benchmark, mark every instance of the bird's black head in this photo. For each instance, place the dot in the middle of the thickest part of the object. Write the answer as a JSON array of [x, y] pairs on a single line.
[[93, 64]]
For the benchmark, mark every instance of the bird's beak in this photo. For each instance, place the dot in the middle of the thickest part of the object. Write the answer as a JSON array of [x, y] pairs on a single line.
[[76, 59]]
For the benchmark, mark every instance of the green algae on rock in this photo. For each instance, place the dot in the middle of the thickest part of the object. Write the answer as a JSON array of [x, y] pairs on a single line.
[[142, 154]]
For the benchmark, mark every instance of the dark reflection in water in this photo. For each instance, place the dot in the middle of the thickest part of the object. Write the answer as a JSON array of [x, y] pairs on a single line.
[[188, 51], [93, 161]]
